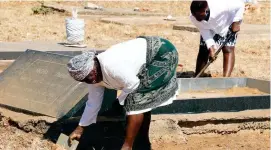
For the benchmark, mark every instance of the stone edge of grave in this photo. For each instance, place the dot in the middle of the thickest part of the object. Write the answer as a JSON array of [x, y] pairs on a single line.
[[241, 115], [117, 12], [190, 28], [12, 50], [105, 20], [243, 35], [39, 45], [245, 28], [158, 20]]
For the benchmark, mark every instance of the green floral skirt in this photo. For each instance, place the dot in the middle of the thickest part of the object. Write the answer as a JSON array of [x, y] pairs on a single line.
[[158, 80]]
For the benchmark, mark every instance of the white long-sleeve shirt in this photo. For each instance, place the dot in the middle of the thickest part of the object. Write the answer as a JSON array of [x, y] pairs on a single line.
[[222, 14], [120, 65]]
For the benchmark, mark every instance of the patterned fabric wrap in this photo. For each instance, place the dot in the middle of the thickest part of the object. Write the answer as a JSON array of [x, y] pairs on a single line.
[[219, 40], [157, 77]]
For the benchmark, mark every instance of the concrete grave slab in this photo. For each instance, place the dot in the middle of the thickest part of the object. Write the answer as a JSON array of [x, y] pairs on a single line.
[[117, 12], [39, 82], [245, 28], [12, 50], [135, 20]]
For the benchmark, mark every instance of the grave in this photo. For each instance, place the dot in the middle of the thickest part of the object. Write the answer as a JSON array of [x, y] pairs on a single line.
[[109, 130], [47, 72]]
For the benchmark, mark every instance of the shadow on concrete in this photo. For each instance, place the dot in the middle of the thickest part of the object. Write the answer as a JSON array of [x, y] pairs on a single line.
[[191, 74], [99, 136], [107, 134]]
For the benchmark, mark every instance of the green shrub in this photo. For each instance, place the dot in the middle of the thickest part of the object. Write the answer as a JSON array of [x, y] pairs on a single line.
[[42, 10]]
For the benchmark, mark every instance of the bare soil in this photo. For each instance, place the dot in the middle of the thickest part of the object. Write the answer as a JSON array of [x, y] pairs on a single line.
[[4, 64], [12, 138], [245, 140], [164, 134]]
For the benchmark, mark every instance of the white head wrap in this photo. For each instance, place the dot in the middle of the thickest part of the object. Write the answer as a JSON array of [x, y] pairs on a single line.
[[81, 65]]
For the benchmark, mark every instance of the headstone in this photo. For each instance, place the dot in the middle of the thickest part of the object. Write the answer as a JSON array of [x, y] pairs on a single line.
[[39, 82]]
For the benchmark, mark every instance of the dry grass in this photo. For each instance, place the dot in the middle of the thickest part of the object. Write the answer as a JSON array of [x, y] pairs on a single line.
[[19, 24], [258, 14]]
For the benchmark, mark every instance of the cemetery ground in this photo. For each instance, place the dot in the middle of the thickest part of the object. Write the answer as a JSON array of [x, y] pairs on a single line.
[[18, 23]]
